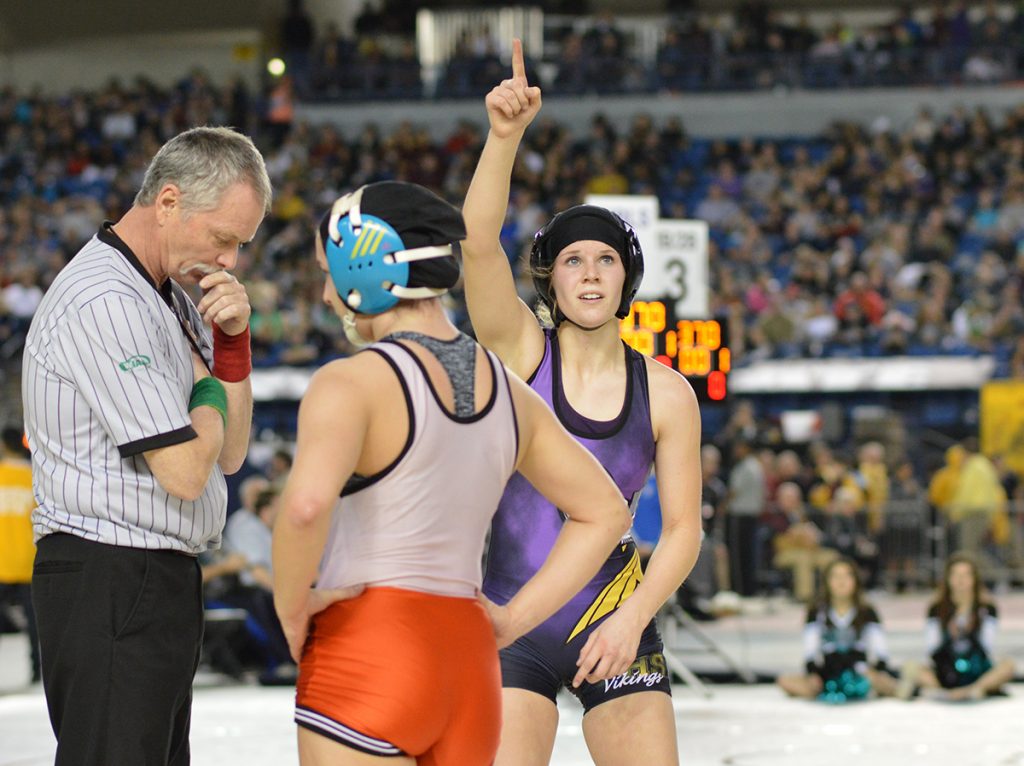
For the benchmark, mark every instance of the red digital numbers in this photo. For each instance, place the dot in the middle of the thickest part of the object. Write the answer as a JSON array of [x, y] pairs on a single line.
[[697, 348], [716, 386]]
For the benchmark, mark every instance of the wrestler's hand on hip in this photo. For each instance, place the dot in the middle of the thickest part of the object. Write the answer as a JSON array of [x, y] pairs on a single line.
[[501, 621], [296, 628], [610, 649], [224, 302]]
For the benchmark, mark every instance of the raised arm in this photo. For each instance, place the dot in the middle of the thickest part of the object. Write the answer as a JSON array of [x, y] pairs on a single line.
[[501, 320], [571, 478]]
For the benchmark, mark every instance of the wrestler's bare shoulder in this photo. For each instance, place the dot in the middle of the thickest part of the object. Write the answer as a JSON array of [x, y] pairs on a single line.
[[665, 382], [673, 403], [364, 371]]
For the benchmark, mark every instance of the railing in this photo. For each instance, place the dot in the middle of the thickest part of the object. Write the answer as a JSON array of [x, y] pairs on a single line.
[[438, 36], [923, 537], [910, 546], [994, 539], [12, 342]]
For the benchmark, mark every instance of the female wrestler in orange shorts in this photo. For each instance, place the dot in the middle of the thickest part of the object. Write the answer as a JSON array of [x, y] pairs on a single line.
[[418, 434]]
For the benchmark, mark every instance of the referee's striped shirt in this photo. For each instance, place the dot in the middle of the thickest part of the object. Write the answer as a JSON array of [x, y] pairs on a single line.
[[107, 376]]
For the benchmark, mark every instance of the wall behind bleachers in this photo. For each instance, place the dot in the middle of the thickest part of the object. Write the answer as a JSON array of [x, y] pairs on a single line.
[[58, 46], [775, 114], [163, 57]]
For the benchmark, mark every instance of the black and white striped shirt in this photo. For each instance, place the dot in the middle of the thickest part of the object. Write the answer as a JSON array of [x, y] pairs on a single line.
[[107, 375]]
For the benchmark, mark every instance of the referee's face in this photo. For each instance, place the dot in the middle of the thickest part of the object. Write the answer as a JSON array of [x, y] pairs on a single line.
[[202, 242]]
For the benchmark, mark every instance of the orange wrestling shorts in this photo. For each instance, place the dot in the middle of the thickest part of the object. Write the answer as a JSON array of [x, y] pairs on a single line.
[[400, 672]]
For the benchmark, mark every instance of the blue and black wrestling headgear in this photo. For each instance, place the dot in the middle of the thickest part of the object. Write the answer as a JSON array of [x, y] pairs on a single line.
[[388, 241], [579, 223]]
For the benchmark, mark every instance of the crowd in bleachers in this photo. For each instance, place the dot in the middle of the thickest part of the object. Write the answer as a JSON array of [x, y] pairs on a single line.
[[938, 43], [869, 240], [753, 47]]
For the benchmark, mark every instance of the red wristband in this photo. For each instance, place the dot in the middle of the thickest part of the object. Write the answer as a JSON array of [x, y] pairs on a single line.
[[232, 356]]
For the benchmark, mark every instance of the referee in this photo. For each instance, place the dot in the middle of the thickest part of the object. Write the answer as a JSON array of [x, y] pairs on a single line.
[[131, 436]]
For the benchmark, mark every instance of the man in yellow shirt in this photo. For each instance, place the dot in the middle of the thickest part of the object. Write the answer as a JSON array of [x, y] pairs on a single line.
[[978, 501], [943, 485], [17, 549]]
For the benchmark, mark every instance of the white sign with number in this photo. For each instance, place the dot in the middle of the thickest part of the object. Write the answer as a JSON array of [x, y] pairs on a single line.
[[677, 267], [639, 211]]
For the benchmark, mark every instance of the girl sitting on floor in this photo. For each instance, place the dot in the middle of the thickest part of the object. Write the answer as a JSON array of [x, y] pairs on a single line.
[[960, 634], [844, 645]]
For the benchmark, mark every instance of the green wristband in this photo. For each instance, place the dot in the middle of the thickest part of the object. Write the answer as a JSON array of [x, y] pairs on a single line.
[[209, 392]]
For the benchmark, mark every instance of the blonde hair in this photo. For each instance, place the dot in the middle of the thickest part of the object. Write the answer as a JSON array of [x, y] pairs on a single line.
[[545, 314]]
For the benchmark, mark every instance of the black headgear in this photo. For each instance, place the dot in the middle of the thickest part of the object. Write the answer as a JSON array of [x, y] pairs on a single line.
[[579, 223]]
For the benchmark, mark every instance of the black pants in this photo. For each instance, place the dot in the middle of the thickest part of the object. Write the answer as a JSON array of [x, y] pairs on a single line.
[[21, 593], [741, 535], [120, 630]]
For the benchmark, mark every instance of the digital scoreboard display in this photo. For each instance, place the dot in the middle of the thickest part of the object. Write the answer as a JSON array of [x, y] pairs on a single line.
[[697, 348]]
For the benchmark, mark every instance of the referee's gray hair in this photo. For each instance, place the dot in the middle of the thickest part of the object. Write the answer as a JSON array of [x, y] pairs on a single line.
[[203, 163]]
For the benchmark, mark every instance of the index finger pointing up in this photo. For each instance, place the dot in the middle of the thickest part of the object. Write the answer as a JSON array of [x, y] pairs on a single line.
[[518, 65]]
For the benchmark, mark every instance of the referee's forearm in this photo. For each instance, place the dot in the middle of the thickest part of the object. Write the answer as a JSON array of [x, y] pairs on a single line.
[[236, 435], [183, 469]]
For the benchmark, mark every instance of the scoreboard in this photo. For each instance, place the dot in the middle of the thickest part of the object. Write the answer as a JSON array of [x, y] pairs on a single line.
[[669, 322], [697, 348]]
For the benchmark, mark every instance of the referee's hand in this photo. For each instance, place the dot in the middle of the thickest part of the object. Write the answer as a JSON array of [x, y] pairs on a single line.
[[224, 302]]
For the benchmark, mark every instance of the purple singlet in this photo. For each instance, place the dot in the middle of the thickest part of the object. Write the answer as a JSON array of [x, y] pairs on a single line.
[[526, 524]]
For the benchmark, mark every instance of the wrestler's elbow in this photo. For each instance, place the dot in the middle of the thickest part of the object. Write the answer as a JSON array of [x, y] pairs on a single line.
[[305, 511], [617, 515], [625, 519], [607, 511]]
